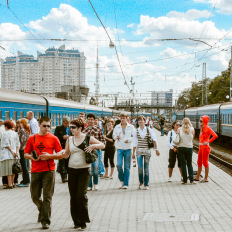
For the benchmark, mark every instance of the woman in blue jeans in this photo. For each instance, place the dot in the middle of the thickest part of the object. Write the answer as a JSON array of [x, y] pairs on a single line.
[[143, 152], [185, 149]]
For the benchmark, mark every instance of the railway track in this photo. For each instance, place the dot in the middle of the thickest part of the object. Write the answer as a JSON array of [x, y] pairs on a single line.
[[215, 158]]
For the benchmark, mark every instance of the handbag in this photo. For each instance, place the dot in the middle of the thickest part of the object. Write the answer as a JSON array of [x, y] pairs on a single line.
[[150, 141], [176, 140], [16, 167], [92, 156]]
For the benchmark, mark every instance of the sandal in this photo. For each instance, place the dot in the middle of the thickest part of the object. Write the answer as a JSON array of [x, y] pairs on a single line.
[[204, 181], [196, 179]]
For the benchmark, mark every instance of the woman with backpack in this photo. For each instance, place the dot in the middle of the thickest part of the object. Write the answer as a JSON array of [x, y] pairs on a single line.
[[173, 154]]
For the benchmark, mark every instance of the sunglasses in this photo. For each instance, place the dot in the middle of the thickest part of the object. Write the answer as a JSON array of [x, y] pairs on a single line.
[[46, 126], [201, 121], [73, 127], [177, 124]]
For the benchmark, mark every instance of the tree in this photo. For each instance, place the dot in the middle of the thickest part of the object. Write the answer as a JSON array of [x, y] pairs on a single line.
[[92, 101]]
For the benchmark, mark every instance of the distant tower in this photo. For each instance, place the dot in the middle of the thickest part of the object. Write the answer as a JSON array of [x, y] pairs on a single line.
[[97, 81]]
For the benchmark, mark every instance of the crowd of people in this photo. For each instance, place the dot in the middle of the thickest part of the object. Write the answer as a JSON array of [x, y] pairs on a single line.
[[32, 140]]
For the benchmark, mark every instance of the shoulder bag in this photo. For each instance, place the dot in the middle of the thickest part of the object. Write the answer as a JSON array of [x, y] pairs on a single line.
[[176, 140], [92, 156], [150, 140]]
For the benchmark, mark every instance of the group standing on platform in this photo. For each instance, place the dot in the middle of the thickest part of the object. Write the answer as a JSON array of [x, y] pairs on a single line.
[[32, 142]]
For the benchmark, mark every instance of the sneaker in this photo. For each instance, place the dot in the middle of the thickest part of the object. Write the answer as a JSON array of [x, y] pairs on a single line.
[[193, 182], [140, 187], [125, 187], [146, 187], [122, 184], [95, 187], [181, 179], [22, 185], [169, 179], [183, 182], [45, 226], [89, 189]]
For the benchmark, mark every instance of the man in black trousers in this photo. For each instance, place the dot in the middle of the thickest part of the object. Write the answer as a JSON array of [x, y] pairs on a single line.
[[63, 132]]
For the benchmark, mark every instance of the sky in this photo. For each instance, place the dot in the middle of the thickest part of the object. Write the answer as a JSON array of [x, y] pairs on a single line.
[[161, 44]]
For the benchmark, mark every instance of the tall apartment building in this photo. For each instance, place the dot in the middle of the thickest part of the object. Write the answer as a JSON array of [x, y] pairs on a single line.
[[46, 74], [162, 98]]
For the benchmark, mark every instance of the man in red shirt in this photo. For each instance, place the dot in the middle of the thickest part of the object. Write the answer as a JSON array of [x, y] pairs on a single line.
[[43, 168]]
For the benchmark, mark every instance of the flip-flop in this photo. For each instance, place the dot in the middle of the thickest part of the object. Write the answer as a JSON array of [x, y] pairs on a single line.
[[203, 181], [196, 179]]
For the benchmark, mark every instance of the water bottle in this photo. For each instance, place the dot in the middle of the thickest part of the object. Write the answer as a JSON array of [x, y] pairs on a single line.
[[134, 163]]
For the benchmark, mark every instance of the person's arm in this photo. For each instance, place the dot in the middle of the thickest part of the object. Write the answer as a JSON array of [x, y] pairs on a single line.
[[66, 154], [134, 149], [193, 132], [100, 135], [156, 148], [213, 134], [115, 134], [94, 144], [130, 139], [135, 139]]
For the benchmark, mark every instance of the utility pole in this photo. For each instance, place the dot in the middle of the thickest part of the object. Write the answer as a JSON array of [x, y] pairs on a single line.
[[133, 93], [231, 75], [97, 81], [204, 83]]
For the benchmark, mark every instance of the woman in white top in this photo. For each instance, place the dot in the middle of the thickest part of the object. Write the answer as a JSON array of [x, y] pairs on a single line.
[[79, 171], [173, 154], [143, 151], [10, 150], [185, 149]]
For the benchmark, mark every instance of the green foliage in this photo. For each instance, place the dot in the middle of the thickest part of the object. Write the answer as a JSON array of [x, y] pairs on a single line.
[[217, 90]]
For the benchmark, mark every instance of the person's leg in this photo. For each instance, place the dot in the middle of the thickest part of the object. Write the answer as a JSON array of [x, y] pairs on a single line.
[[10, 180], [111, 157], [101, 169], [146, 170], [73, 187], [95, 172], [36, 190], [179, 163], [140, 168], [181, 153], [199, 163], [127, 166], [23, 161], [81, 198], [188, 155], [106, 157], [119, 164], [63, 171], [91, 176], [205, 158], [48, 184], [172, 162]]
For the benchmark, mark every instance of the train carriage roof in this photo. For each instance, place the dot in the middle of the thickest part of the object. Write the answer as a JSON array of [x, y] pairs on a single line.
[[8, 95]]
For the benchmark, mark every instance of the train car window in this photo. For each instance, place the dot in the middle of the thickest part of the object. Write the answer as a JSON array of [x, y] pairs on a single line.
[[228, 119], [231, 119], [0, 114], [55, 119], [21, 114], [51, 117], [38, 115], [58, 119], [7, 115], [15, 116]]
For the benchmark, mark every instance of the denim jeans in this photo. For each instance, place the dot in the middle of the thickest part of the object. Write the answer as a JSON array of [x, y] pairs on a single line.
[[100, 160], [162, 130], [125, 155], [43, 182], [94, 173], [143, 168], [186, 158], [24, 164]]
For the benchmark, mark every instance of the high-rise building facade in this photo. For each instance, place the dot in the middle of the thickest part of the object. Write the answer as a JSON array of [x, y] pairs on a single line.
[[46, 74], [162, 98]]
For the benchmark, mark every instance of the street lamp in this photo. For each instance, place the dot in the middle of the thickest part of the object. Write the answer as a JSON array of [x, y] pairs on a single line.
[[111, 45], [227, 97]]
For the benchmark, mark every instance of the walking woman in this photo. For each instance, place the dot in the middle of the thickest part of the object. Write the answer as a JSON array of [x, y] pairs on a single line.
[[24, 133], [173, 154], [204, 149], [109, 149], [10, 151], [143, 151], [79, 171], [185, 149]]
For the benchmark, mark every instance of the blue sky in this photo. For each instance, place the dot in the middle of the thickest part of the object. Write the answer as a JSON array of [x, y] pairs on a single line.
[[141, 24]]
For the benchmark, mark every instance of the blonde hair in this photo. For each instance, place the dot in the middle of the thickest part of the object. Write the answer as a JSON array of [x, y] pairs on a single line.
[[186, 126]]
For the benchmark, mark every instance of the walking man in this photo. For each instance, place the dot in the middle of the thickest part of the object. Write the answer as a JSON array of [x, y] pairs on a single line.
[[43, 169], [97, 134], [33, 123], [123, 134], [62, 132]]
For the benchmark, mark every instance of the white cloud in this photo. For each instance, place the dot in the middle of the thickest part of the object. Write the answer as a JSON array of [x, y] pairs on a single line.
[[132, 25], [170, 52], [224, 6], [190, 14]]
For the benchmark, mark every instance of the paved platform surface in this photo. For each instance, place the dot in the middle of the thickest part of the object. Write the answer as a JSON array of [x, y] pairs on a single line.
[[165, 207]]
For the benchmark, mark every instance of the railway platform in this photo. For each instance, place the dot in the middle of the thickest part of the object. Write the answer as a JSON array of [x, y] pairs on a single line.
[[166, 206]]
